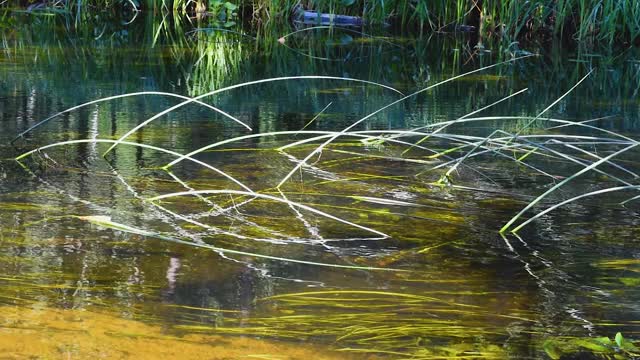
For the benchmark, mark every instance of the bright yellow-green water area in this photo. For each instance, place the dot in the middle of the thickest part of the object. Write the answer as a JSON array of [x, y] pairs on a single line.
[[45, 333]]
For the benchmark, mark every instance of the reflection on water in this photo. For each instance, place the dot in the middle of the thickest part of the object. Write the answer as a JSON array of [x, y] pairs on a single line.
[[80, 289]]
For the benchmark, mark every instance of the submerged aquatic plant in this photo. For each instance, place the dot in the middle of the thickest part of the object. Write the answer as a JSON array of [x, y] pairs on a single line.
[[618, 348]]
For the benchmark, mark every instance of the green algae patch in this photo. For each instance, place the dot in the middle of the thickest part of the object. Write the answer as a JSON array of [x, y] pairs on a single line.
[[47, 333]]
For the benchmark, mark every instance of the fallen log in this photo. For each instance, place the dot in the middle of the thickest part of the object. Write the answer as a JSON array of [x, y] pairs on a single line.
[[315, 18]]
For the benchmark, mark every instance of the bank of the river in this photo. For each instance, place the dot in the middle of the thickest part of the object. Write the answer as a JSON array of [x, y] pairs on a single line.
[[611, 23]]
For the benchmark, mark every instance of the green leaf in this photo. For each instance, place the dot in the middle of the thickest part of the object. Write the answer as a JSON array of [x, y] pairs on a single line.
[[347, 2], [604, 340], [230, 6], [552, 350], [625, 344], [596, 345]]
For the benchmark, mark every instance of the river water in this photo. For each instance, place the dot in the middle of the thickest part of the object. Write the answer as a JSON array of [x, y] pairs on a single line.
[[90, 267]]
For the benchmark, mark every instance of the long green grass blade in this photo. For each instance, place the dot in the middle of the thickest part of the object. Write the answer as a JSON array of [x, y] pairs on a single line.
[[563, 182], [554, 103], [581, 196]]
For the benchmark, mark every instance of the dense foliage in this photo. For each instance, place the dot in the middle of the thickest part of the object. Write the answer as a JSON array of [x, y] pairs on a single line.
[[594, 21]]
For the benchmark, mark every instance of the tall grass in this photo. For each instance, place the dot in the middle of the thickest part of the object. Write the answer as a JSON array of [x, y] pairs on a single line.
[[586, 21]]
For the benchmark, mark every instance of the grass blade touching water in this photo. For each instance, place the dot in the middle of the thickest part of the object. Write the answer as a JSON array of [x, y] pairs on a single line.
[[560, 184], [575, 198]]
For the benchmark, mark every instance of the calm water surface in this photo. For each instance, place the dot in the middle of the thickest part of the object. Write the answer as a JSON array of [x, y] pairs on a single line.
[[73, 288]]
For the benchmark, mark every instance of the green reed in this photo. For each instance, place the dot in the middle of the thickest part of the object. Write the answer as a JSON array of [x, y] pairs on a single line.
[[586, 21]]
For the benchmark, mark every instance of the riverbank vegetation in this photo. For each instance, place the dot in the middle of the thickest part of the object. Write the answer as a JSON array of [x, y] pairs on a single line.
[[609, 22]]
